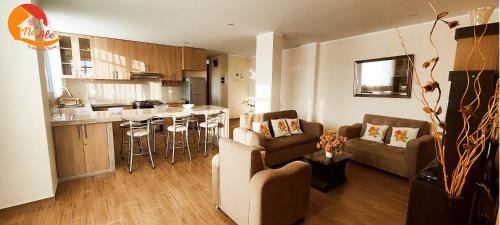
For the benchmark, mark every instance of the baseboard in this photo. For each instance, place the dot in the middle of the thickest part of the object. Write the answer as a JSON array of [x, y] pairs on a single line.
[[43, 201]]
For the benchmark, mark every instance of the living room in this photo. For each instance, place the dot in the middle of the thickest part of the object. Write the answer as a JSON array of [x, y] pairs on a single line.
[[249, 112]]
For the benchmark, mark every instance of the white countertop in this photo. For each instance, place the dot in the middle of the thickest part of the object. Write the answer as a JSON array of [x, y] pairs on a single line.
[[74, 116]]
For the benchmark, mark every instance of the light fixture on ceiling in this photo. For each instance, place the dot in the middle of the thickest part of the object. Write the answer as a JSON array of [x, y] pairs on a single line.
[[230, 24]]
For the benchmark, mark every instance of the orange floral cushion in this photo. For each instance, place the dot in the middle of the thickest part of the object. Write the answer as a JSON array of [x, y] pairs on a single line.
[[263, 128], [375, 133], [294, 126], [401, 135], [280, 128]]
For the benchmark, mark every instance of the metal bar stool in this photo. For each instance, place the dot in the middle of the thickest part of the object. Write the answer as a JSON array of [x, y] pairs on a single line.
[[180, 125], [212, 126], [159, 120], [155, 124], [193, 123], [138, 130]]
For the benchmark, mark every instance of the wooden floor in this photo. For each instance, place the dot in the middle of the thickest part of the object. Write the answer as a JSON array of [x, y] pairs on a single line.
[[181, 194]]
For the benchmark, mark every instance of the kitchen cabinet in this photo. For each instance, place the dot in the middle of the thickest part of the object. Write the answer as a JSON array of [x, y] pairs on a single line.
[[69, 151], [83, 150], [86, 67], [103, 58], [111, 57], [194, 59], [92, 57], [139, 57], [170, 60], [76, 57], [120, 59]]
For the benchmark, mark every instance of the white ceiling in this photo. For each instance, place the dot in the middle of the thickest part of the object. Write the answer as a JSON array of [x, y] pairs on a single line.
[[203, 23]]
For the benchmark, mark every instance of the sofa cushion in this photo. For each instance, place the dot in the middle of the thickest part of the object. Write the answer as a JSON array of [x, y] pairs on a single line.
[[281, 143], [424, 127], [359, 146], [263, 128], [375, 133], [402, 135], [280, 129]]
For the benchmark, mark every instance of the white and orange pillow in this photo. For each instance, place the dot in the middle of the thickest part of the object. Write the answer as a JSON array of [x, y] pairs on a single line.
[[280, 128], [263, 128], [294, 126], [402, 135], [375, 133]]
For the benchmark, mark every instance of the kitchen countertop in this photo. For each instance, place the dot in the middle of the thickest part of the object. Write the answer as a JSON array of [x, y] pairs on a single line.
[[117, 104], [75, 116]]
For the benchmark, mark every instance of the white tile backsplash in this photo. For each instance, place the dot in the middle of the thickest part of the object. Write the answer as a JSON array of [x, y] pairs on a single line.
[[102, 91]]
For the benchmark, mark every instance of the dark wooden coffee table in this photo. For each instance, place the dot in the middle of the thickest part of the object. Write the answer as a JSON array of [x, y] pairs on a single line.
[[327, 172]]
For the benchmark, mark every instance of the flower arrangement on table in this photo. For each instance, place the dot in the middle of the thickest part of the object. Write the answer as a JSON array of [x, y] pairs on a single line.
[[331, 143]]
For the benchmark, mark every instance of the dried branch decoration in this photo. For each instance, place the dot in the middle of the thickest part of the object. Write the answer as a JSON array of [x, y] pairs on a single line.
[[471, 142]]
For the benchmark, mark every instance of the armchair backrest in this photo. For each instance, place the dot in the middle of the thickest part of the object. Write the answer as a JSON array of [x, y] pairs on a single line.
[[237, 164]]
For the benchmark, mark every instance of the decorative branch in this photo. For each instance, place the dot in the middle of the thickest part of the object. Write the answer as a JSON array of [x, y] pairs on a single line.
[[471, 142]]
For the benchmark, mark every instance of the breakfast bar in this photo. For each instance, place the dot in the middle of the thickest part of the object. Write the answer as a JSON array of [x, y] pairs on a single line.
[[85, 142]]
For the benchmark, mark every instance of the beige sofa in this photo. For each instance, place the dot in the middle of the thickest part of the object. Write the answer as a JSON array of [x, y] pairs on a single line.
[[405, 162], [282, 149], [251, 194]]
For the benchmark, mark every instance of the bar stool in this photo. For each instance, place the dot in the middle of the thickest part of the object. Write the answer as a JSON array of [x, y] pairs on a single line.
[[138, 130], [180, 125], [159, 120], [193, 123], [212, 125], [156, 123]]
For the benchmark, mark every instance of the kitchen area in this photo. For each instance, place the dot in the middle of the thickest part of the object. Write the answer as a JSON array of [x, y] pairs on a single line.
[[95, 83]]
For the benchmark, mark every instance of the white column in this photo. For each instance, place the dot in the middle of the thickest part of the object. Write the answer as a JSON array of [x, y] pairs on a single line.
[[268, 72]]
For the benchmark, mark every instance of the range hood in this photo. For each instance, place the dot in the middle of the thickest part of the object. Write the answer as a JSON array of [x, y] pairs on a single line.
[[144, 75]]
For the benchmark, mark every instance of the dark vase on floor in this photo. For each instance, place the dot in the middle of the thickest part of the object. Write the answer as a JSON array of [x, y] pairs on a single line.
[[455, 208]]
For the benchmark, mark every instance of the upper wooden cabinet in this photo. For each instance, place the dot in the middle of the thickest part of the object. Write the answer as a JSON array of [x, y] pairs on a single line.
[[106, 58], [170, 61], [194, 59]]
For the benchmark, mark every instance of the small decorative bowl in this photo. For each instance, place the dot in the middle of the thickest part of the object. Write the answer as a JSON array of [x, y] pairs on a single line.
[[187, 106]]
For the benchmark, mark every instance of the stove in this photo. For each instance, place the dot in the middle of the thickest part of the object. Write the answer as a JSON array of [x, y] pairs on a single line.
[[145, 104]]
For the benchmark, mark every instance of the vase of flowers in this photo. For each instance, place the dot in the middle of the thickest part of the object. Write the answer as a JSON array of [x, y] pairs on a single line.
[[331, 143]]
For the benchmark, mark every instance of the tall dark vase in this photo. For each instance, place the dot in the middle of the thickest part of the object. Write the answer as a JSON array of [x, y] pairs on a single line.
[[454, 209]]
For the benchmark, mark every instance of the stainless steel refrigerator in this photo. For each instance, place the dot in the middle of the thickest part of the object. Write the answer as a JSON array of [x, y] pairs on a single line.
[[195, 90]]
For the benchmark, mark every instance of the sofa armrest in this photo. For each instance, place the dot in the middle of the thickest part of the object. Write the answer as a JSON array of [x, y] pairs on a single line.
[[419, 152], [352, 131], [283, 191], [248, 137], [312, 128]]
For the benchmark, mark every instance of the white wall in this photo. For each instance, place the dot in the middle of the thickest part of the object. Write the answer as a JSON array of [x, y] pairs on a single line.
[[334, 102], [238, 84], [251, 82], [26, 149], [298, 80]]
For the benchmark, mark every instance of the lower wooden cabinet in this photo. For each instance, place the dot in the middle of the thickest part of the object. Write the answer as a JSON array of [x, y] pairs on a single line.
[[83, 149]]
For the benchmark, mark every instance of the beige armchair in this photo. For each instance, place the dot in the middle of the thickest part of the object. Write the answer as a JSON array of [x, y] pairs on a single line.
[[251, 194]]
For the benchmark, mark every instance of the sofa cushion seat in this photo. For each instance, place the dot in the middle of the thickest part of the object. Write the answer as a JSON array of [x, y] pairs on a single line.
[[281, 143], [374, 148]]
